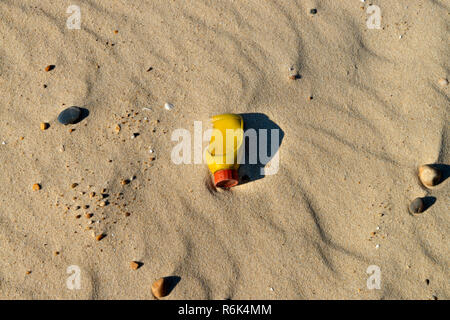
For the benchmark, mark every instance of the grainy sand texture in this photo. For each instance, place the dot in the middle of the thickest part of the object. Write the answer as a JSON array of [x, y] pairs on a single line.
[[358, 109]]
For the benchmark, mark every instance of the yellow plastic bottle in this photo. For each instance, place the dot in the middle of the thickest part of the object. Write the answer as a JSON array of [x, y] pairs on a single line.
[[224, 150]]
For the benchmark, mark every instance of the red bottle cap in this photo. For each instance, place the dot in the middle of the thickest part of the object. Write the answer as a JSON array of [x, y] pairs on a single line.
[[226, 178]]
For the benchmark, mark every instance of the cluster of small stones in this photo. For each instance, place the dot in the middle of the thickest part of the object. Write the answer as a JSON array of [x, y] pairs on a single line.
[[92, 206], [95, 207], [125, 128]]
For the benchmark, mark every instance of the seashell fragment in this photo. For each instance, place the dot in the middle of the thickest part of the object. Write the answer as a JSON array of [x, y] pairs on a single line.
[[443, 82], [168, 106], [429, 176]]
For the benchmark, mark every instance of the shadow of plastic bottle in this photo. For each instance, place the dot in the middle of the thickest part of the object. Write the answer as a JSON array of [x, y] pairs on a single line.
[[254, 171]]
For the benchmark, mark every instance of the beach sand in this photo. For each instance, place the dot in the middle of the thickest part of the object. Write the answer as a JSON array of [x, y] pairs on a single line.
[[366, 110]]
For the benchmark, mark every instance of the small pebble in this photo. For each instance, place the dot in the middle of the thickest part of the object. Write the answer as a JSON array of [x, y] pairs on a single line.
[[377, 246], [429, 176], [74, 185], [124, 182], [3, 142], [70, 115], [49, 68], [416, 206], [313, 11], [36, 187], [117, 128], [135, 265], [100, 236], [168, 106], [44, 126]]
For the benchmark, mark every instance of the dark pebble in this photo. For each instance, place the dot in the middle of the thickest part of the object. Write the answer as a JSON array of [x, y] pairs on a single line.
[[70, 115], [313, 11], [417, 206]]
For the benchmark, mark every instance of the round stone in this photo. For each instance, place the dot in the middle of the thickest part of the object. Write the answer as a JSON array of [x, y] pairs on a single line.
[[70, 115], [159, 288], [416, 206]]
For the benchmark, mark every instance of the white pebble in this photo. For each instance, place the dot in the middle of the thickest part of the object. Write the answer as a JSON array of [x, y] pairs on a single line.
[[271, 289], [151, 151], [168, 106], [146, 109], [3, 142], [377, 246]]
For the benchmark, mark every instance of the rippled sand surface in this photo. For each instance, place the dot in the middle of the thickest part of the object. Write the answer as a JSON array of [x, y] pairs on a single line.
[[366, 111]]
